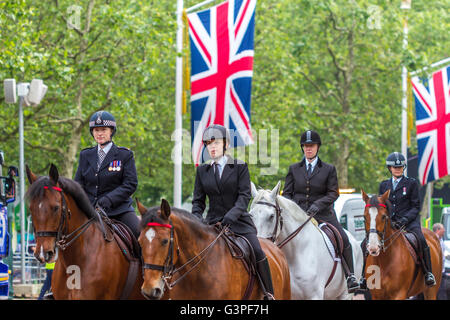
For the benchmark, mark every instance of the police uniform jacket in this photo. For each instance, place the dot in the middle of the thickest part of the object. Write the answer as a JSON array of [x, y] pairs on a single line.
[[116, 178], [229, 197], [320, 189], [404, 199]]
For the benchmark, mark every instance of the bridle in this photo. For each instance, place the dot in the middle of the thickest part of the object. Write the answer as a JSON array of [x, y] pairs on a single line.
[[382, 235], [279, 218], [64, 240], [168, 268]]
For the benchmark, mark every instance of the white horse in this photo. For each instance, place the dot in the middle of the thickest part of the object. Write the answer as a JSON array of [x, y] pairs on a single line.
[[310, 261]]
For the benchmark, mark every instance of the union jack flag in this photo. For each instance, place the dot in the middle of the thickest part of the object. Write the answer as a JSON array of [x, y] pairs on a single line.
[[221, 41], [432, 99]]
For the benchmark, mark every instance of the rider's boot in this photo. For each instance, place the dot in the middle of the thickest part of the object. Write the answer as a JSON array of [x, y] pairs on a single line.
[[426, 266], [265, 278], [352, 282]]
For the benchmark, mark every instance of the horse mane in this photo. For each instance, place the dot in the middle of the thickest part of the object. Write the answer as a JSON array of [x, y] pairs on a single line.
[[297, 213], [71, 187], [187, 217]]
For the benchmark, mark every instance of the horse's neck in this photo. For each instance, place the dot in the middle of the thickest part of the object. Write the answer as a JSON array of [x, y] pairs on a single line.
[[76, 251], [191, 241], [291, 224]]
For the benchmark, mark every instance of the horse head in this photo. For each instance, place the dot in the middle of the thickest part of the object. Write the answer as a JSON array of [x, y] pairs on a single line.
[[157, 244], [376, 216], [265, 212], [47, 205]]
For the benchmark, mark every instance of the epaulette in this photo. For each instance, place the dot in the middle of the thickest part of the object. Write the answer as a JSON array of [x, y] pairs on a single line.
[[88, 148], [124, 148]]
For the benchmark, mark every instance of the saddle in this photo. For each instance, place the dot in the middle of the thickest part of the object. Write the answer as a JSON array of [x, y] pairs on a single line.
[[241, 249], [413, 245], [334, 236], [130, 248]]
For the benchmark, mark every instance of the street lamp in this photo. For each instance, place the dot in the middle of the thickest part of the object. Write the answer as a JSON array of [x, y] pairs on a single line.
[[30, 94]]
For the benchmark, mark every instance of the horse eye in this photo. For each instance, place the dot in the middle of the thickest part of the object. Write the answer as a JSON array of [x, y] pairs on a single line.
[[165, 241], [56, 209]]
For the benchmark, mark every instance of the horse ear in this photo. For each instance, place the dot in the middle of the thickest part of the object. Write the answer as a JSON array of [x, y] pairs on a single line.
[[275, 191], [30, 175], [254, 191], [53, 174], [141, 208], [365, 196], [385, 196], [165, 209]]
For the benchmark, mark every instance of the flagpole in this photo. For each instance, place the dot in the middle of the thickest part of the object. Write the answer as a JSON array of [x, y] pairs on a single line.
[[436, 64], [178, 157], [406, 5]]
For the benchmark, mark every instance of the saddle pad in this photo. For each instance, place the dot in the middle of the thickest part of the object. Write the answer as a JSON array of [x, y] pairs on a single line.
[[328, 243]]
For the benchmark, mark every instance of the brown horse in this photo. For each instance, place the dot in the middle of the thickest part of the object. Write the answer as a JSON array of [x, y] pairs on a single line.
[[90, 264], [193, 260], [390, 270]]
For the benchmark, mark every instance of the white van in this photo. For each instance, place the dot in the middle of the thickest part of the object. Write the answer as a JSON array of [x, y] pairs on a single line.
[[350, 213]]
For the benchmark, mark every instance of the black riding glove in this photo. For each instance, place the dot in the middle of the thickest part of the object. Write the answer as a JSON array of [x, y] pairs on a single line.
[[313, 209], [104, 203], [399, 223]]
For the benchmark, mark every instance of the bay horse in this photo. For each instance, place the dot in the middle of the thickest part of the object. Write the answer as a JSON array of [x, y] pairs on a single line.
[[192, 259], [390, 271], [89, 265], [316, 274]]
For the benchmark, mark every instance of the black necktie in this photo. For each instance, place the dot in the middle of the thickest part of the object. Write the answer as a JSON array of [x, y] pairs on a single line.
[[216, 172], [309, 169]]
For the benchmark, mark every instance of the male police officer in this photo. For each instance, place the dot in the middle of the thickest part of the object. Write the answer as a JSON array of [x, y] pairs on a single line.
[[404, 197], [107, 172], [313, 185]]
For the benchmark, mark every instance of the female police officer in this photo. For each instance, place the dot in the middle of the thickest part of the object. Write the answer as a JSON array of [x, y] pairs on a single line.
[[107, 172], [404, 197], [313, 185], [226, 182]]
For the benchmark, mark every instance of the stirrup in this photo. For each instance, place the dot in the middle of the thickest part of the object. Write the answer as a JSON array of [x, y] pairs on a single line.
[[268, 296], [430, 281], [352, 283]]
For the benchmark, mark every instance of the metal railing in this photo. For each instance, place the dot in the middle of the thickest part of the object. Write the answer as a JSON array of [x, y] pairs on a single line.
[[34, 271]]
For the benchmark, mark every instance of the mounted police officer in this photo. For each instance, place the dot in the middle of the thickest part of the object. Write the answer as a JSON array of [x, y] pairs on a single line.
[[404, 197], [226, 182], [313, 185], [107, 172]]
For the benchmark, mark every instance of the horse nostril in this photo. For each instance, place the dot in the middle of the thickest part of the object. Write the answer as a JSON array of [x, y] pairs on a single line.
[[156, 293]]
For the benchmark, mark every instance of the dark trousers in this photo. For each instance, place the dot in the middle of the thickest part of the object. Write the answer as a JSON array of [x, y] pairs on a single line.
[[131, 220], [254, 242], [347, 252], [442, 292], [47, 284], [417, 230]]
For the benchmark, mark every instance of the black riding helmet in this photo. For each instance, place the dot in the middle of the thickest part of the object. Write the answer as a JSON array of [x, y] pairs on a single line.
[[395, 159], [216, 131], [310, 137], [102, 119]]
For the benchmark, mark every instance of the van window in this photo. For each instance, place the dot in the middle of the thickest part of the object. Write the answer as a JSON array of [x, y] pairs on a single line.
[[446, 223]]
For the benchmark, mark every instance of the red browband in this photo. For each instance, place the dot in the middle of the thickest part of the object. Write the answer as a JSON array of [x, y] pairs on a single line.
[[370, 205], [155, 224], [55, 188]]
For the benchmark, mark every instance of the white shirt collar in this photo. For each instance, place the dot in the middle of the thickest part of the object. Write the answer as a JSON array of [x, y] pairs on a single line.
[[313, 164], [398, 180], [106, 148], [222, 161]]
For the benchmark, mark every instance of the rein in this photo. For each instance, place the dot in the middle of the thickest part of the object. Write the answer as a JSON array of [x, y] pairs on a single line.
[[168, 269], [279, 218]]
